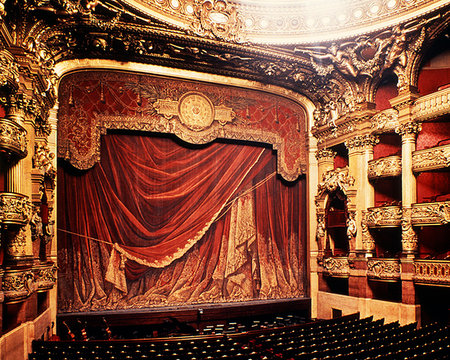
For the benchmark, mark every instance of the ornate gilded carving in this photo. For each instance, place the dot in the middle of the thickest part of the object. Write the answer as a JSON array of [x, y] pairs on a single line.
[[361, 141], [43, 159], [325, 154], [15, 209], [431, 213], [334, 179], [218, 19], [336, 266], [385, 167], [409, 236], [351, 225], [13, 137], [384, 121], [388, 216], [16, 245], [431, 159], [17, 285], [383, 269], [9, 70], [432, 105], [408, 129], [320, 230], [368, 241], [432, 272], [44, 276]]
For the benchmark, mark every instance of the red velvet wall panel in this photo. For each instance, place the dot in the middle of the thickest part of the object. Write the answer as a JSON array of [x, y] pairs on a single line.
[[390, 144], [387, 191], [432, 133], [431, 79], [433, 186], [386, 91]]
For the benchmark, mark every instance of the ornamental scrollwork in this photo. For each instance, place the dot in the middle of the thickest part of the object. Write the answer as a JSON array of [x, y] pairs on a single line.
[[384, 121], [384, 269], [9, 70], [431, 159], [385, 167], [218, 19], [325, 154], [17, 285], [336, 179], [45, 277], [16, 248], [432, 272], [13, 137], [43, 159]]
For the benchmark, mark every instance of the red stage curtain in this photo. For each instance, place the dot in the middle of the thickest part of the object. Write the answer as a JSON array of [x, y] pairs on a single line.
[[155, 200]]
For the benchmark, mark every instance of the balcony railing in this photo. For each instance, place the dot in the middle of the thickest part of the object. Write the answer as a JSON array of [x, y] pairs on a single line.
[[432, 105], [431, 159], [389, 166], [337, 266], [15, 209], [435, 213], [432, 272], [383, 269], [384, 216], [13, 138]]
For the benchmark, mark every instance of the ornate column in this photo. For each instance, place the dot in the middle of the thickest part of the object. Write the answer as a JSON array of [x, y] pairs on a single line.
[[408, 131], [360, 152]]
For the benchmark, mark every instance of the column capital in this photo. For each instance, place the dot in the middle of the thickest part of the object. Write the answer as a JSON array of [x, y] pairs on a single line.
[[408, 129], [325, 154], [362, 142]]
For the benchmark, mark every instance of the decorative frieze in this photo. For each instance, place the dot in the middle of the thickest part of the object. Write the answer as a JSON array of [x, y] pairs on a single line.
[[385, 167], [361, 141], [334, 179], [431, 159], [437, 213], [432, 105], [13, 138], [384, 216], [432, 272], [336, 266], [383, 269], [15, 209]]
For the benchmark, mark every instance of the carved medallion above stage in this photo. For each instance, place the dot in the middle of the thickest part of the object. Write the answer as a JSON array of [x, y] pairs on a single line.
[[95, 101]]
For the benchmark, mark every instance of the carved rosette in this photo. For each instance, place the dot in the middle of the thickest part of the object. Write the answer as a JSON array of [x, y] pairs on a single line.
[[432, 105], [9, 70], [383, 269], [44, 276], [362, 142], [431, 159], [13, 138], [409, 129], [15, 209], [368, 241], [384, 121], [336, 267], [409, 236], [17, 285], [432, 272], [386, 167], [437, 213], [387, 216], [326, 154], [334, 179]]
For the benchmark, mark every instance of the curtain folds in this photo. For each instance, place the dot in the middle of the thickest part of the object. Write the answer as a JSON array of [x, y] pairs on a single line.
[[150, 201]]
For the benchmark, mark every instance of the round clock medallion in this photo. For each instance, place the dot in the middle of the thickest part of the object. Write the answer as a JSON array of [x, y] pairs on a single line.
[[196, 111]]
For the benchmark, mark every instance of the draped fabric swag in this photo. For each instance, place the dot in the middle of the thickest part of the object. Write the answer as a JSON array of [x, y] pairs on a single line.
[[177, 225]]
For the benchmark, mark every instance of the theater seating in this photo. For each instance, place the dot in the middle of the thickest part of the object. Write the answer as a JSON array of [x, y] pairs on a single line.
[[344, 338]]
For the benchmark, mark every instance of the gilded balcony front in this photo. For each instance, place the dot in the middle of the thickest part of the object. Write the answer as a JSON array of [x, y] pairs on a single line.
[[44, 276], [337, 266], [385, 269], [432, 105], [432, 272], [384, 216], [15, 209], [13, 138], [431, 159], [389, 166], [435, 213]]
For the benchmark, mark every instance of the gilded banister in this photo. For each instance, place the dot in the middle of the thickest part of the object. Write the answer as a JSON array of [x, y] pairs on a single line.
[[432, 272], [432, 105], [431, 159]]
